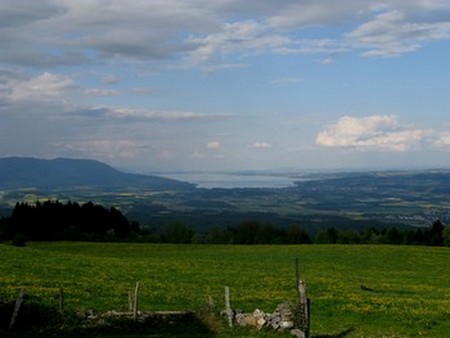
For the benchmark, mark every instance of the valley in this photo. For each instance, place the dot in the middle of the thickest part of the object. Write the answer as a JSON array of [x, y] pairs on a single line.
[[346, 200]]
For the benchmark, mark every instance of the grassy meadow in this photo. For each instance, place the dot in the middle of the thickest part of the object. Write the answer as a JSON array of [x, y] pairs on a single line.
[[355, 291]]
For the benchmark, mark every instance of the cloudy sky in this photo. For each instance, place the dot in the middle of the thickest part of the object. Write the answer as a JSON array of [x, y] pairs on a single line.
[[226, 84]]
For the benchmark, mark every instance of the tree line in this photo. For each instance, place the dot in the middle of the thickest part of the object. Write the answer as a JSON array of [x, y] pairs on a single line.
[[254, 232], [436, 235], [53, 220], [246, 232]]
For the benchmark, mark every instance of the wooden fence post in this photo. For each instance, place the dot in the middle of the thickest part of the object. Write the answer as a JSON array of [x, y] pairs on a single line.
[[304, 301], [17, 308], [136, 302], [228, 309]]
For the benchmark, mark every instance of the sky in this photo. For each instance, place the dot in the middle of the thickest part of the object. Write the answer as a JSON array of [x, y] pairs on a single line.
[[173, 85]]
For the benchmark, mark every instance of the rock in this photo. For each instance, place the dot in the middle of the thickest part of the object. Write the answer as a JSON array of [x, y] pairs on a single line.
[[284, 324], [275, 322], [298, 333], [256, 319], [245, 319], [258, 313], [260, 322], [281, 319]]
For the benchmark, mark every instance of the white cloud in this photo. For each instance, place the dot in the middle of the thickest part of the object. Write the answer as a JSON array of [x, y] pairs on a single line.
[[43, 87], [393, 33], [100, 92], [135, 51], [327, 61], [68, 31], [48, 33], [443, 141], [46, 87], [261, 145], [100, 148], [376, 132], [164, 115], [213, 145], [250, 37]]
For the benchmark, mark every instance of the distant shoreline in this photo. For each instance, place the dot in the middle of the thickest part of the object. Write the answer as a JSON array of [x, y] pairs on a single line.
[[210, 180]]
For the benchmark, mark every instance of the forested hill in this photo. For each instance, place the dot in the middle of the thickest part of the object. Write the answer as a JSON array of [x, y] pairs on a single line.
[[19, 172]]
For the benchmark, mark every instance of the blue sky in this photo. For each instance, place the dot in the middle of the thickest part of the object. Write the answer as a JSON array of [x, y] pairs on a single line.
[[225, 84]]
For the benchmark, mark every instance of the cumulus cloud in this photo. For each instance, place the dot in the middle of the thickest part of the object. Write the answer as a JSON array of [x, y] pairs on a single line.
[[44, 110], [57, 93], [376, 132], [125, 48], [46, 33]]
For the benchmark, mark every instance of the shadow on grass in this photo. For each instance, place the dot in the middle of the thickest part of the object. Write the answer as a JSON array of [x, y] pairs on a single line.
[[187, 325], [36, 320], [342, 334]]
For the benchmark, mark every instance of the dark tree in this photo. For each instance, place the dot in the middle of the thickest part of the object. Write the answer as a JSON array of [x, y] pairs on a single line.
[[435, 235], [122, 228], [52, 220], [246, 232], [393, 236], [178, 233], [326, 236], [294, 234], [219, 235]]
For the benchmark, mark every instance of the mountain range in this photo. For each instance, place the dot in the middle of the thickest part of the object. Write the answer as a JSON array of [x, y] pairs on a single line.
[[19, 172]]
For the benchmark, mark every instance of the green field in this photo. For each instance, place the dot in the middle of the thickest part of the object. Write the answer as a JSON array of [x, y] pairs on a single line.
[[409, 292]]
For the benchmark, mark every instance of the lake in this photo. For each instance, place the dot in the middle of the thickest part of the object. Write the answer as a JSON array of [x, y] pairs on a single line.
[[233, 180]]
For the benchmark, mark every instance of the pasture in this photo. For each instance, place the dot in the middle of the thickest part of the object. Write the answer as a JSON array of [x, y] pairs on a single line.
[[355, 291]]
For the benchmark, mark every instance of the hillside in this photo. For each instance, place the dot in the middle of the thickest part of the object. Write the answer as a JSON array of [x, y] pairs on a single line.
[[20, 172], [352, 200], [355, 291]]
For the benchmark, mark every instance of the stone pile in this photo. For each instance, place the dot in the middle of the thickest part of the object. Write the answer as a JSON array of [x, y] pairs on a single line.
[[281, 319]]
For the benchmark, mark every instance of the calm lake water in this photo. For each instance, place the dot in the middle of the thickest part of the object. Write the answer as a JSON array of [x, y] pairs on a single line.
[[232, 180]]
